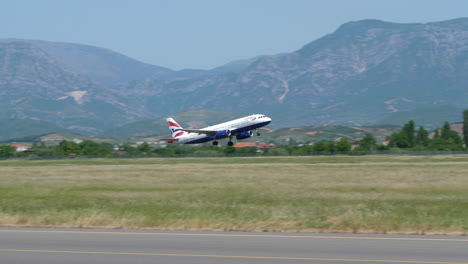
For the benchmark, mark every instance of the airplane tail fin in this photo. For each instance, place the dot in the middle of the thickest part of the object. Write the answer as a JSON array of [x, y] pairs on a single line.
[[175, 128]]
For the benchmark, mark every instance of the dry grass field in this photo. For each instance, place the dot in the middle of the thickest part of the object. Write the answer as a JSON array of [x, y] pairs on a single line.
[[359, 194]]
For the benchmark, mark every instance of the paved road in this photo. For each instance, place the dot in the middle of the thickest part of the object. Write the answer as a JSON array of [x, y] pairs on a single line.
[[48, 246]]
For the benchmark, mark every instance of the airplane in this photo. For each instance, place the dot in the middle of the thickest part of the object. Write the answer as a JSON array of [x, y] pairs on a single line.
[[240, 128]]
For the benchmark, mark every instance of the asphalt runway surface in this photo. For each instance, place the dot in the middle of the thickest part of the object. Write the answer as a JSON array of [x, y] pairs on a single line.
[[47, 246]]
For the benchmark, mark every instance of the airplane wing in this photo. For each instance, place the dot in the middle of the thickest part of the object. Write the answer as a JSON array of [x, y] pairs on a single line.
[[201, 131]]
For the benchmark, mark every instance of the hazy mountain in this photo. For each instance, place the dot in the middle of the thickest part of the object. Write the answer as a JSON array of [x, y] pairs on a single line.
[[430, 117], [35, 85], [361, 74], [366, 72], [99, 64], [18, 128], [238, 66]]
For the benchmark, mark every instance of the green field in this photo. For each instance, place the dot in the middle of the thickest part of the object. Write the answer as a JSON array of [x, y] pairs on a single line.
[[359, 194]]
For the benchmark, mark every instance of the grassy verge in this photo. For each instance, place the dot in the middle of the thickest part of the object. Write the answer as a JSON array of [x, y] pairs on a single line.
[[384, 194]]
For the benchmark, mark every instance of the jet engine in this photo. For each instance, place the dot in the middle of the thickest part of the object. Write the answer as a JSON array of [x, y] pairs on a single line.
[[244, 135], [223, 133]]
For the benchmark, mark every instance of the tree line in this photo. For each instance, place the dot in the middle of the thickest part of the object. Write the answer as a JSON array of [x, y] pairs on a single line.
[[89, 148], [408, 138], [442, 139]]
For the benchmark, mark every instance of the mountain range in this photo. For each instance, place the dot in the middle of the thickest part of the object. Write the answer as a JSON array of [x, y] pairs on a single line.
[[366, 72]]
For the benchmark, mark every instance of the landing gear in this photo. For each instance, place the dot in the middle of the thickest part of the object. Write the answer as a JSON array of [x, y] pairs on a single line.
[[230, 142], [258, 133], [215, 143]]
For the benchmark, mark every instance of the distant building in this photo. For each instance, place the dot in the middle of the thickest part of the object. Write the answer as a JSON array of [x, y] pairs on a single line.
[[386, 142], [77, 141], [355, 143], [19, 147]]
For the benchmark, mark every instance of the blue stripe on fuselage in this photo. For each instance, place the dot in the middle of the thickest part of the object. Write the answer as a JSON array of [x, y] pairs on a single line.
[[201, 140]]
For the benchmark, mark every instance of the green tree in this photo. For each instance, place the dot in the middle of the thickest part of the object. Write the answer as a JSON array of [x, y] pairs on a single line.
[[368, 143], [47, 152], [409, 131], [306, 149], [405, 138], [7, 151], [67, 148], [107, 146], [399, 140], [319, 146], [445, 131], [144, 148], [330, 146], [343, 145], [448, 134], [446, 139], [91, 148], [456, 138], [422, 137], [440, 144], [129, 149]]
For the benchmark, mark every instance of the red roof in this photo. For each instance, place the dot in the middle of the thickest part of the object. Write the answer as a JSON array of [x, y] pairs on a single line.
[[264, 146], [245, 144]]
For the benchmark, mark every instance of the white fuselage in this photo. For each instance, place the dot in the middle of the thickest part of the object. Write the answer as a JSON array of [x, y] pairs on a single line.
[[233, 128]]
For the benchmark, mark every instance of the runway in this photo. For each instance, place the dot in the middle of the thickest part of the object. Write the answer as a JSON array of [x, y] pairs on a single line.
[[46, 246]]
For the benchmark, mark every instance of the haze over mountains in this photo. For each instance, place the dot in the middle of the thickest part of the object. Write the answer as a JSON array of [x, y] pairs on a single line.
[[366, 72]]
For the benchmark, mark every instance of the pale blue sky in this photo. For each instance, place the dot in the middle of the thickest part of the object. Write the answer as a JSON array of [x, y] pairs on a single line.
[[204, 34]]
